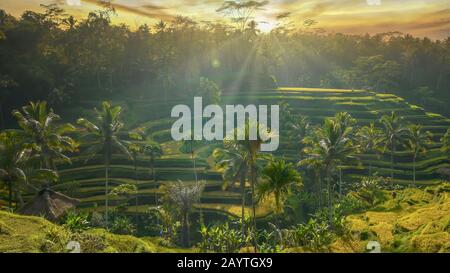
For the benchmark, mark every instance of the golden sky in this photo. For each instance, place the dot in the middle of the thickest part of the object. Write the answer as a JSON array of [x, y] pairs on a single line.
[[429, 18]]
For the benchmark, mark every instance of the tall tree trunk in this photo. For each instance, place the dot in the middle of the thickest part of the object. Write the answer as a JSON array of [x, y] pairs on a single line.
[[152, 162], [243, 205], [392, 159], [320, 189], [195, 167], [106, 194], [330, 198], [340, 183], [330, 213], [185, 229], [137, 188], [253, 181]]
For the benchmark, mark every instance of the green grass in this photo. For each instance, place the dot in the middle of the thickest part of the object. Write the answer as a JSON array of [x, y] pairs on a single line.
[[414, 221], [27, 234], [316, 103]]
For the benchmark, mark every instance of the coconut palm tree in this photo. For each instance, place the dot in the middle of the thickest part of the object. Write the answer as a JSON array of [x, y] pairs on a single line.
[[153, 150], [250, 150], [315, 165], [14, 155], [135, 149], [330, 146], [104, 139], [394, 129], [190, 146], [370, 138], [235, 167], [417, 141], [279, 178], [345, 123], [300, 128], [184, 197], [47, 136]]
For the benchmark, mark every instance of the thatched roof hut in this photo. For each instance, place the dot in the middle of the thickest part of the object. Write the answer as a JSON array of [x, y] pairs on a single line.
[[49, 204]]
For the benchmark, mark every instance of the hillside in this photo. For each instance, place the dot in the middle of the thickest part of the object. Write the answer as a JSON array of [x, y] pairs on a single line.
[[86, 182], [27, 234], [413, 221]]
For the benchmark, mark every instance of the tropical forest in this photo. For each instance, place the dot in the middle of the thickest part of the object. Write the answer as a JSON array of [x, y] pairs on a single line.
[[88, 161]]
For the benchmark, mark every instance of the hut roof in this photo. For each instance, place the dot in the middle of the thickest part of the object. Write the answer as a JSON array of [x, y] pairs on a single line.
[[49, 204]]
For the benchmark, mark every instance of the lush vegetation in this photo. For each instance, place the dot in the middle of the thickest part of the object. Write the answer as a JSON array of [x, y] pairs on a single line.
[[68, 61], [354, 165]]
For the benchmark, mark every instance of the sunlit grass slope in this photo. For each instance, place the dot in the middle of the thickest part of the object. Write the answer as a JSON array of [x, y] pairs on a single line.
[[26, 234], [411, 220]]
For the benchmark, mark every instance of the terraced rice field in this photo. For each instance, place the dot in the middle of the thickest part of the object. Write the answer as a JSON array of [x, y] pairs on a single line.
[[86, 182]]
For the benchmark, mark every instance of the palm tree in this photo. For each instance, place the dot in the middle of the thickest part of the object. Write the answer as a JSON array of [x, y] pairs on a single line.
[[105, 140], [48, 138], [394, 129], [300, 128], [153, 150], [135, 149], [330, 146], [316, 166], [191, 145], [345, 123], [14, 155], [250, 150], [279, 178], [232, 160], [370, 138], [184, 197], [417, 141]]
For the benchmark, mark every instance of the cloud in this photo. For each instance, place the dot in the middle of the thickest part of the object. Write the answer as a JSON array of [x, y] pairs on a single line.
[[349, 16], [146, 10]]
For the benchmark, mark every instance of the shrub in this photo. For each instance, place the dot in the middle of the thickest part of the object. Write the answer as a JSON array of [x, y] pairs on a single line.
[[55, 240], [318, 232], [222, 239], [122, 225], [76, 222], [90, 243], [97, 219], [162, 221], [350, 204], [269, 241]]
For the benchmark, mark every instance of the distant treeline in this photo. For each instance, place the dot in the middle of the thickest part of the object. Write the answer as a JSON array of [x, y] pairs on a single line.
[[55, 57]]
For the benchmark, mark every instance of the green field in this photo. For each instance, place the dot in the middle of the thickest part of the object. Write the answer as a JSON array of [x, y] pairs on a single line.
[[85, 180]]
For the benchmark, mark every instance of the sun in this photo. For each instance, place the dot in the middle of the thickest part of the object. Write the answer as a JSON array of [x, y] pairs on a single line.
[[267, 26]]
